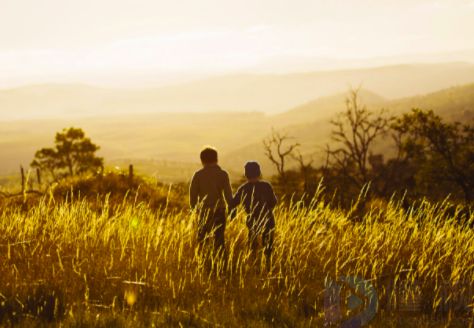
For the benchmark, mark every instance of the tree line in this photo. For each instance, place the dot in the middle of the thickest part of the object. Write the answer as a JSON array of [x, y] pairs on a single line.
[[424, 156], [428, 157]]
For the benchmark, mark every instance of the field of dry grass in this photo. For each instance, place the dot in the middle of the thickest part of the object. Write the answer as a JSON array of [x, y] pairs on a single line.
[[97, 263]]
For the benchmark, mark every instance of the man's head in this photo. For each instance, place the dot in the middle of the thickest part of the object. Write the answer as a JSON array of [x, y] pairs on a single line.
[[209, 155], [252, 170]]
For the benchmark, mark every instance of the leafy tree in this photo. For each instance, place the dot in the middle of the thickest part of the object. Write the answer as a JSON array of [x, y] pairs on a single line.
[[47, 159], [443, 152], [73, 153]]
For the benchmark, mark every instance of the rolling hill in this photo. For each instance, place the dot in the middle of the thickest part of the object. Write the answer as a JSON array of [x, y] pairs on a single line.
[[453, 104], [151, 139], [270, 94], [323, 108]]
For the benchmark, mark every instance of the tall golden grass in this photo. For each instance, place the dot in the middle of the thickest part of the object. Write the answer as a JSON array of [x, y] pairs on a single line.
[[80, 263]]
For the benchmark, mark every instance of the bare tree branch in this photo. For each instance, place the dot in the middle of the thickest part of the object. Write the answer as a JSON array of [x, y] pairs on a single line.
[[278, 156], [355, 130]]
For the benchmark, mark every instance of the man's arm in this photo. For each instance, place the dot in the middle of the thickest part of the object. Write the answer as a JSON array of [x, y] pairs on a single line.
[[227, 190], [235, 202], [194, 191], [237, 199]]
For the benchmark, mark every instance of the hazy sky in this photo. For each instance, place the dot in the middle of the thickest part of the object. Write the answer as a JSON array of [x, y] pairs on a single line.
[[52, 37]]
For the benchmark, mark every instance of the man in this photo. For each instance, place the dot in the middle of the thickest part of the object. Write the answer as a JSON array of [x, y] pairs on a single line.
[[210, 188]]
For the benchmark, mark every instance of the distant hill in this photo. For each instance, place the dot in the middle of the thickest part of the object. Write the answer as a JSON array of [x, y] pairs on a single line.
[[455, 103], [311, 128], [324, 107], [295, 63], [150, 139], [171, 137], [52, 88], [55, 101], [270, 94]]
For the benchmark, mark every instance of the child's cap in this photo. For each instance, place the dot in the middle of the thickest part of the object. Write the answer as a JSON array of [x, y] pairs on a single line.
[[252, 170]]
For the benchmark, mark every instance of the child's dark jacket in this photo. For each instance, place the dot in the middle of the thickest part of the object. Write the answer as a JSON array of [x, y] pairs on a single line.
[[259, 200]]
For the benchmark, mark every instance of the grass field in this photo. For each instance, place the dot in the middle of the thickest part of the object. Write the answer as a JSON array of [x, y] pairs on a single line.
[[97, 263]]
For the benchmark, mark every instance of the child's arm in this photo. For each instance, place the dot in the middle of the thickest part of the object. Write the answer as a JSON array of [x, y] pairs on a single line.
[[235, 203], [227, 190]]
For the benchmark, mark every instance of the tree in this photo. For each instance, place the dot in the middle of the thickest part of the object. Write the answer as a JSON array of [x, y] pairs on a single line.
[[305, 169], [355, 131], [46, 159], [276, 141], [443, 152], [73, 152]]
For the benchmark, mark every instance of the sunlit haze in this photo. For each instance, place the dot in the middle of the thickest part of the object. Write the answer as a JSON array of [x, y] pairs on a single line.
[[236, 163], [150, 42]]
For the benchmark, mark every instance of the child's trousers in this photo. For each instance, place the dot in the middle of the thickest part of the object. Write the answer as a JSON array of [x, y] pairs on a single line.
[[267, 233]]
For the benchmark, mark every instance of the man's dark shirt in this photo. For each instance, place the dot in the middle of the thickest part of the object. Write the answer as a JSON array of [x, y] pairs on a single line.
[[259, 200], [211, 184]]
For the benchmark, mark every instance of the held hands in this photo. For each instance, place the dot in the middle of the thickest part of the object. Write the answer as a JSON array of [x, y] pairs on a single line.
[[232, 214]]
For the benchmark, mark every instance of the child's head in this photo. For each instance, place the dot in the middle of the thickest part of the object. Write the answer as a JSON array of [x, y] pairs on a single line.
[[209, 155], [252, 170]]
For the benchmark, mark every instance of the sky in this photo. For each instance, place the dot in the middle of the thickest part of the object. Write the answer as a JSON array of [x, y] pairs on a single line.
[[100, 40]]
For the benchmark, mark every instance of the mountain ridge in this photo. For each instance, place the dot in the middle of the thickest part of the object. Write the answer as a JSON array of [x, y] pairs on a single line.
[[237, 135], [270, 94]]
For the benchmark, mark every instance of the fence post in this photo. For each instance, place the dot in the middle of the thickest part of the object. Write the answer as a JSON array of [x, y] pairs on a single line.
[[38, 175], [130, 176], [22, 179]]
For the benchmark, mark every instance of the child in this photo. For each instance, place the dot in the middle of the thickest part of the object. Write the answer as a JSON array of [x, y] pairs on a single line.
[[259, 201], [211, 186]]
